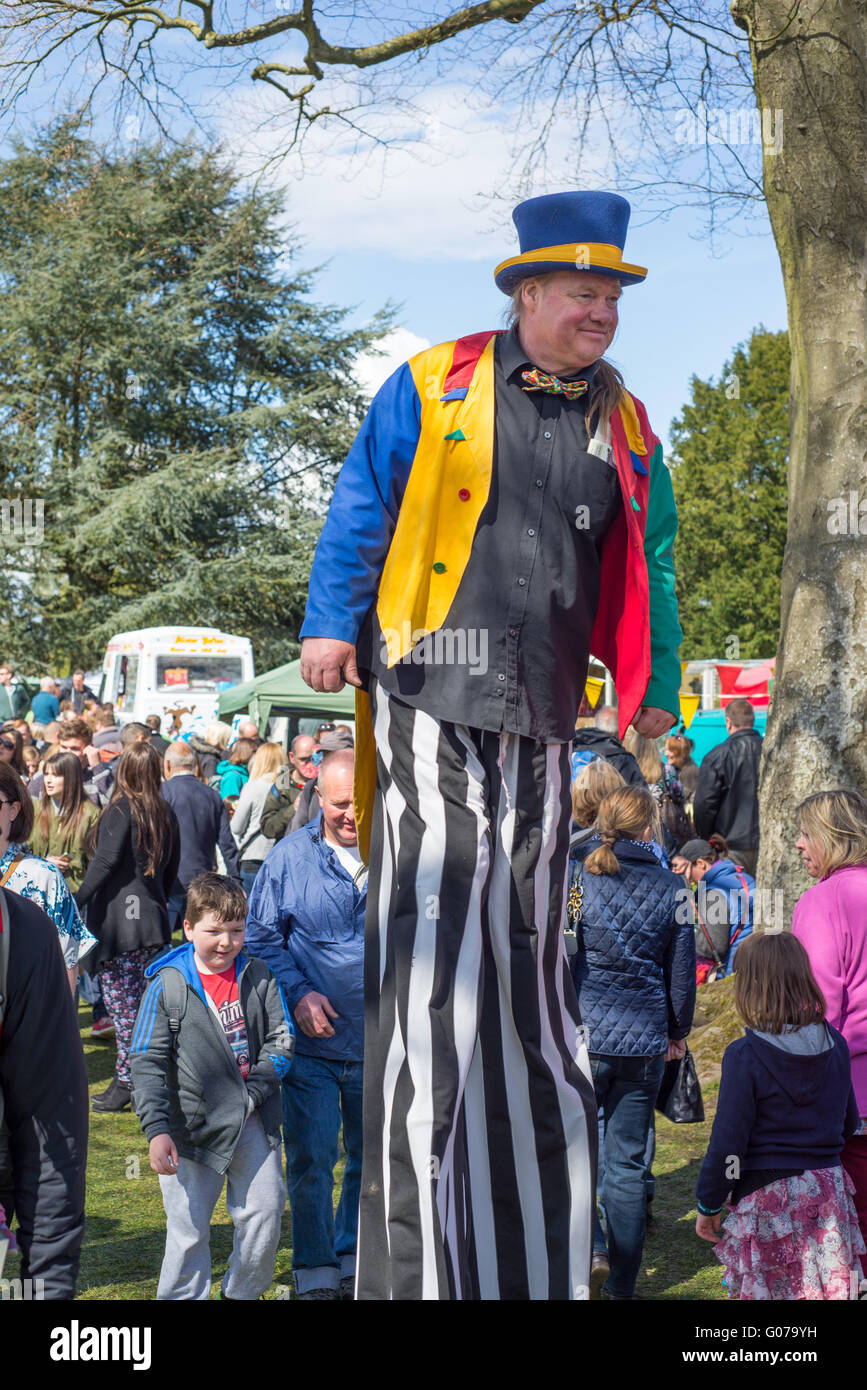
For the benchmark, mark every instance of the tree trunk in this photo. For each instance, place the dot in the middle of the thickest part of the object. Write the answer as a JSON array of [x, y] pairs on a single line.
[[808, 64]]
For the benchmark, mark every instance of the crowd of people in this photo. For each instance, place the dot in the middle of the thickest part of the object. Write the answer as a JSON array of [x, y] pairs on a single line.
[[249, 1032]]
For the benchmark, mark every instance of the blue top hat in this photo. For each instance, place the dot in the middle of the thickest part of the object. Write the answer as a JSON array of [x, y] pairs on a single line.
[[570, 231]]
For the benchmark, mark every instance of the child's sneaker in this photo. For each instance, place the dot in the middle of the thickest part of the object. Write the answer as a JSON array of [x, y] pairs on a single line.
[[102, 1028]]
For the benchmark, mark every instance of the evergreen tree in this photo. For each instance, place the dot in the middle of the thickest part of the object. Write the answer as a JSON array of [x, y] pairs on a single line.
[[173, 406], [728, 467]]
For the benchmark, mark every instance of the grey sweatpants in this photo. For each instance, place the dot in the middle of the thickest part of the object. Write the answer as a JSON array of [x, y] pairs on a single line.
[[255, 1198]]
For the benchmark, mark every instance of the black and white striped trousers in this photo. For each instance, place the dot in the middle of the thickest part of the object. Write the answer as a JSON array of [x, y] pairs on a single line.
[[479, 1114]]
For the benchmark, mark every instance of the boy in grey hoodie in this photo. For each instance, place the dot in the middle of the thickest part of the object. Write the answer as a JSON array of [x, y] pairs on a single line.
[[212, 1042]]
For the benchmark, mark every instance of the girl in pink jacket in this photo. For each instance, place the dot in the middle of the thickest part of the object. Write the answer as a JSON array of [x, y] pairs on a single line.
[[830, 920]]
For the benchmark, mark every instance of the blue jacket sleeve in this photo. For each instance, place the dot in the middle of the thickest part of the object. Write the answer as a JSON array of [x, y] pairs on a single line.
[[730, 1136], [357, 533], [269, 919]]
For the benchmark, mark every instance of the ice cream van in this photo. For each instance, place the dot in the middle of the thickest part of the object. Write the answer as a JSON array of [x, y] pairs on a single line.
[[175, 672]]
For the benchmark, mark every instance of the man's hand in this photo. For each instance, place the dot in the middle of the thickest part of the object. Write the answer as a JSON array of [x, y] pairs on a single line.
[[310, 1014], [708, 1226], [326, 664], [92, 755], [676, 1050], [652, 722], [163, 1155]]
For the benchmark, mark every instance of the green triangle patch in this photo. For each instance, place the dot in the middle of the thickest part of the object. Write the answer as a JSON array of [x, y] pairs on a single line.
[[455, 434]]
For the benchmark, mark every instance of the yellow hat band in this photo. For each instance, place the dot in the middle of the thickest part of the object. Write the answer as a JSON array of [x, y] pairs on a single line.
[[577, 255]]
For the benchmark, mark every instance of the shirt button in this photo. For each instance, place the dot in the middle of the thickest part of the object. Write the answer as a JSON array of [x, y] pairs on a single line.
[[531, 532], [522, 582], [438, 567], [500, 676], [539, 482], [513, 632], [498, 691], [464, 494], [547, 434]]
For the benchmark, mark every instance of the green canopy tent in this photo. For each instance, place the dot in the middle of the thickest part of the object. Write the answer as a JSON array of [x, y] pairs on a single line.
[[282, 691]]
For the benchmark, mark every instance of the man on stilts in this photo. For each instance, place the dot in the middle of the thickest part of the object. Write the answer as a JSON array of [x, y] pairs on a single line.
[[504, 511]]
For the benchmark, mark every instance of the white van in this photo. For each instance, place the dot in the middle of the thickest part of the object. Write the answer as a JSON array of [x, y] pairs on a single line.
[[175, 672]]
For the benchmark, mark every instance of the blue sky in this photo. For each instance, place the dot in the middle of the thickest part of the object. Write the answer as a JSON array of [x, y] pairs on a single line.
[[423, 218]]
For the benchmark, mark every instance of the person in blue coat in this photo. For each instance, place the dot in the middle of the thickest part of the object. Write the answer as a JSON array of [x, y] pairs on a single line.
[[306, 920], [634, 971], [724, 900]]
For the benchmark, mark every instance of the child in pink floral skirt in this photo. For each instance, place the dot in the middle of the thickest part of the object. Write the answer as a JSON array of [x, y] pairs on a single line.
[[786, 1108]]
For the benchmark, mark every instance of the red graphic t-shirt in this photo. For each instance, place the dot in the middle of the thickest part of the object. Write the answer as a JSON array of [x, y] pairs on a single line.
[[222, 991]]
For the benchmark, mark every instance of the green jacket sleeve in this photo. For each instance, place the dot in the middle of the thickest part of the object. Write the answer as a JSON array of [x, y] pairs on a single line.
[[665, 629]]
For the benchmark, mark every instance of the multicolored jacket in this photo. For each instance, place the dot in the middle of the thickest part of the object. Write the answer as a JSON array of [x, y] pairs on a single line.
[[404, 514]]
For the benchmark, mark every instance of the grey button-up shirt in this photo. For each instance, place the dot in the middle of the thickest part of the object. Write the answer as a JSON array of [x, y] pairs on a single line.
[[513, 651]]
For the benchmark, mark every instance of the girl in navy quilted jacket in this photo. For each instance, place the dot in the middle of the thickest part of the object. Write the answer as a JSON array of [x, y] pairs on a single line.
[[634, 970], [786, 1107]]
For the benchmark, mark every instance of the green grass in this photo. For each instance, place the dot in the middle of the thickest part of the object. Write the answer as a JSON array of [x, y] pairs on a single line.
[[125, 1235]]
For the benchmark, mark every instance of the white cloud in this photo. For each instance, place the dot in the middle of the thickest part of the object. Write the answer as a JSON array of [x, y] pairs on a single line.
[[372, 369], [438, 190]]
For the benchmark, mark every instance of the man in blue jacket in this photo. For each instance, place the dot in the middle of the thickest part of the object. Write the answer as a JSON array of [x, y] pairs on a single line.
[[306, 919]]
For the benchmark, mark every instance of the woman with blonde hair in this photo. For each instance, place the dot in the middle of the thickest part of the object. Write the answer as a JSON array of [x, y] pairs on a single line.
[[593, 783], [634, 972], [830, 921], [246, 822]]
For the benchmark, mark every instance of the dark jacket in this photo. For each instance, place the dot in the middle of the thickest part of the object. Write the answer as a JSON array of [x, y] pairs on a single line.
[[306, 919], [634, 969], [279, 808], [192, 1088], [44, 1089], [78, 697], [204, 824], [777, 1110], [126, 908], [588, 744], [208, 756], [159, 744], [306, 807], [727, 795]]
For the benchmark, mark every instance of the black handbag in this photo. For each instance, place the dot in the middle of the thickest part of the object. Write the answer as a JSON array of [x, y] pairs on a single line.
[[679, 1098]]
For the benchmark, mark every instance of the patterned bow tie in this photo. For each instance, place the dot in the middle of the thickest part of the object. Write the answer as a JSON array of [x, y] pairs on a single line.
[[552, 385]]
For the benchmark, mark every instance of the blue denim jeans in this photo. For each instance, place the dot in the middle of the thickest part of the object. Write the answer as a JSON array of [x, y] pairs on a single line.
[[317, 1094], [626, 1089]]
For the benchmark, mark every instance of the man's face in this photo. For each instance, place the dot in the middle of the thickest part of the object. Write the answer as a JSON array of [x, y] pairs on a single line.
[[76, 746], [338, 814], [300, 759], [571, 318], [5, 675], [78, 681]]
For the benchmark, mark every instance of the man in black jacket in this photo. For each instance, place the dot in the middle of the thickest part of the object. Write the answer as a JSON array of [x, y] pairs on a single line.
[[602, 742], [203, 821], [727, 794], [43, 1089]]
